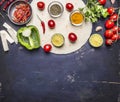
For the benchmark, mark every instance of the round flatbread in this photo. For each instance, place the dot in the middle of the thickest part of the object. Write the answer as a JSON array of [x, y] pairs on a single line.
[[63, 26]]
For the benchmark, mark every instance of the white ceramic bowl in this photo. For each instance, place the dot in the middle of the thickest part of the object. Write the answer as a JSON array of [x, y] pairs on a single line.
[[55, 13], [80, 18]]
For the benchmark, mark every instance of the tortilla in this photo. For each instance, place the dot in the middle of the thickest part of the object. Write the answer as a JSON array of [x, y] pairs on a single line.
[[63, 26]]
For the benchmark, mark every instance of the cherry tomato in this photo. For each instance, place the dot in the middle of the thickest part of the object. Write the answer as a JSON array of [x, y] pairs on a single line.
[[108, 41], [109, 24], [51, 24], [102, 2], [115, 29], [41, 5], [114, 17], [108, 33], [69, 6], [110, 10], [47, 47], [115, 37], [72, 37]]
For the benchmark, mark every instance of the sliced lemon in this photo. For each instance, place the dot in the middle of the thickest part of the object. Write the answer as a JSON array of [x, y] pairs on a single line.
[[96, 40], [57, 40]]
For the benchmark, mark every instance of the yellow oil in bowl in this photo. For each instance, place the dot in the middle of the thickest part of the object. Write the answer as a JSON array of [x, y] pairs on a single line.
[[76, 18]]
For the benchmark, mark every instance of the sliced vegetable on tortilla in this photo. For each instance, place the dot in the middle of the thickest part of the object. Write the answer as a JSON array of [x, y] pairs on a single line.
[[57, 40]]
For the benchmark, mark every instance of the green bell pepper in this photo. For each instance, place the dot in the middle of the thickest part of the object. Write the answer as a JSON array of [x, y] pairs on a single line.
[[29, 37]]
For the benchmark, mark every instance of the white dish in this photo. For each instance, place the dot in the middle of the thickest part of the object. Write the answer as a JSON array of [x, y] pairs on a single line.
[[55, 9]]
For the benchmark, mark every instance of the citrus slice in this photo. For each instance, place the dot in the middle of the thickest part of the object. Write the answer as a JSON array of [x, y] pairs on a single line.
[[96, 40], [57, 40]]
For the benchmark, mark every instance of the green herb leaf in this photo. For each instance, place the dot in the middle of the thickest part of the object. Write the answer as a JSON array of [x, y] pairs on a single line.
[[93, 11]]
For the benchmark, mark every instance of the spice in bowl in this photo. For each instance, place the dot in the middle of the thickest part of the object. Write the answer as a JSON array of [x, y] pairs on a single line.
[[20, 12], [55, 9], [76, 18]]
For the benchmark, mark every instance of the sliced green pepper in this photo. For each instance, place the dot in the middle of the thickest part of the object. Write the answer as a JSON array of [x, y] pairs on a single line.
[[32, 40]]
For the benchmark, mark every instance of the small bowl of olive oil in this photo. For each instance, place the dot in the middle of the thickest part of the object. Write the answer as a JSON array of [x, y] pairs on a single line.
[[77, 18]]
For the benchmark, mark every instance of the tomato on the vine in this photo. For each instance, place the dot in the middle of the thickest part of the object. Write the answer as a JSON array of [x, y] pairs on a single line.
[[108, 41], [41, 5], [102, 2], [109, 24], [115, 37], [110, 10], [108, 33], [51, 24], [115, 29], [47, 47], [114, 17], [69, 6], [72, 37]]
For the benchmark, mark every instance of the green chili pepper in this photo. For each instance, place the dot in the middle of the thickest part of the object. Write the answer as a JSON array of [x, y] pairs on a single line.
[[29, 37]]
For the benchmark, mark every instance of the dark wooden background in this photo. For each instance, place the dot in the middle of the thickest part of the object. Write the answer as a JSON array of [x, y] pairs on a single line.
[[87, 75]]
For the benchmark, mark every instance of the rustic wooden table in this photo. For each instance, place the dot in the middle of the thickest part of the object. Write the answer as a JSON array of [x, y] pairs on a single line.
[[88, 75]]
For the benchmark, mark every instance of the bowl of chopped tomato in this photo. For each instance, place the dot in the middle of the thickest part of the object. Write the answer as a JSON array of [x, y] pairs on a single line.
[[20, 12]]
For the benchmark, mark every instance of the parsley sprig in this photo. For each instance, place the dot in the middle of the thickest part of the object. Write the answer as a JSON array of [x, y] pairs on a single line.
[[93, 11]]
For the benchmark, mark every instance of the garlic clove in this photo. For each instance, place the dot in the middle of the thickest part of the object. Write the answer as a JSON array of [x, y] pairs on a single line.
[[112, 1], [98, 28]]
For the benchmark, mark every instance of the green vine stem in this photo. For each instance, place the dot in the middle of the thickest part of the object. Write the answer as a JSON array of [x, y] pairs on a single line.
[[118, 20]]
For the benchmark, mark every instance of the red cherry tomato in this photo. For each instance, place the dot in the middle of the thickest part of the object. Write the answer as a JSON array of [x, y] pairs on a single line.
[[72, 37], [69, 6], [109, 24], [51, 24], [115, 37], [115, 29], [47, 48], [110, 10], [41, 5], [102, 2], [114, 17], [108, 41], [108, 33]]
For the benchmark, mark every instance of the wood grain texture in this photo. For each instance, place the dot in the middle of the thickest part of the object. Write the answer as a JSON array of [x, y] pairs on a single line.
[[88, 75]]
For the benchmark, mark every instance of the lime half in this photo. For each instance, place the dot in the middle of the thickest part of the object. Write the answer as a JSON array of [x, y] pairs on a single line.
[[57, 40], [96, 40]]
